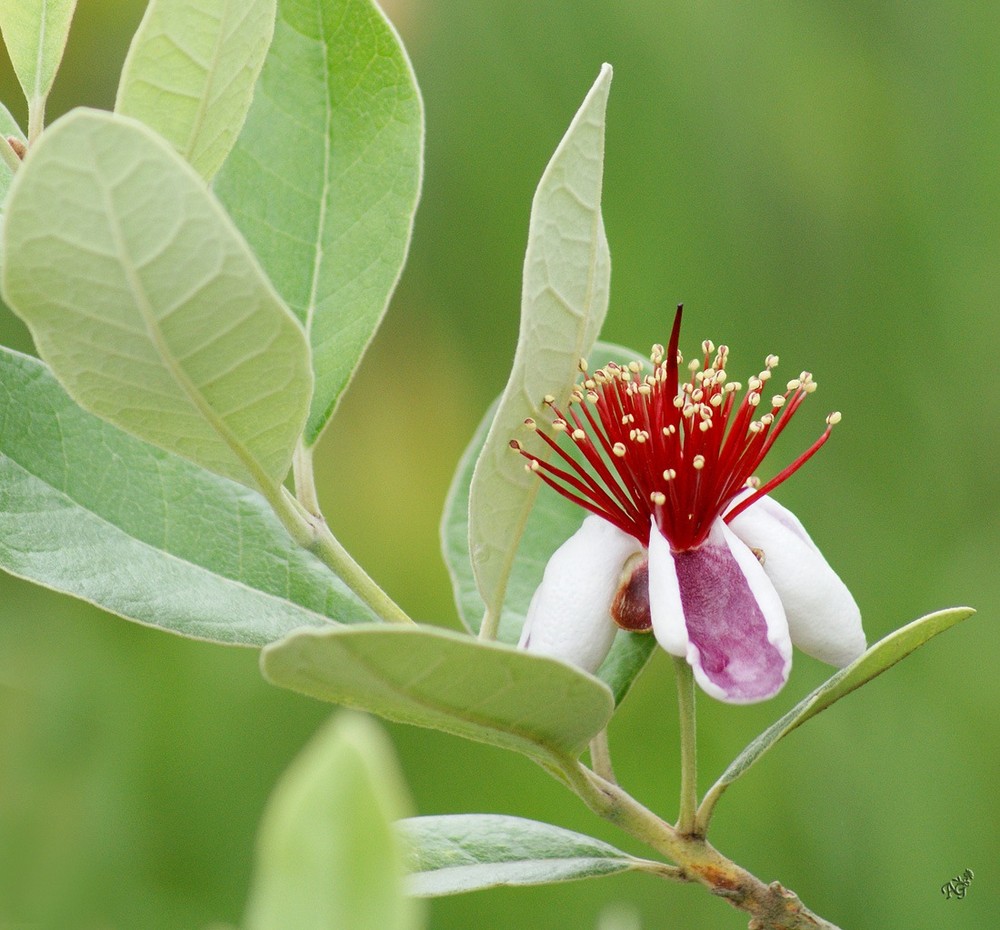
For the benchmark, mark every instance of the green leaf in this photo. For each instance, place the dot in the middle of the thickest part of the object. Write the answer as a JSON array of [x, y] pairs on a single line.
[[567, 271], [552, 520], [147, 303], [328, 853], [35, 32], [91, 511], [191, 70], [431, 677], [325, 177], [8, 127], [470, 852], [883, 655]]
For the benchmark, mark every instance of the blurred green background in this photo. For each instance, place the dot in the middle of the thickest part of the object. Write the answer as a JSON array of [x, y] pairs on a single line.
[[818, 180]]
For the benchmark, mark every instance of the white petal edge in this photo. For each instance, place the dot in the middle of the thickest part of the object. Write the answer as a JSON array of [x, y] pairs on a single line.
[[569, 617], [667, 613], [823, 617]]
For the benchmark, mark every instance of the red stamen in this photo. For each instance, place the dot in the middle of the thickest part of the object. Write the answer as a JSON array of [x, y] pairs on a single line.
[[653, 448]]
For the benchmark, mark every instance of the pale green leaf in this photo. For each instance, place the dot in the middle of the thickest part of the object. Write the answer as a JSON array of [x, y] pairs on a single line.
[[147, 303], [449, 681], [328, 854], [883, 655], [8, 128], [190, 73], [35, 32], [324, 178], [457, 853], [91, 511], [553, 519], [564, 298]]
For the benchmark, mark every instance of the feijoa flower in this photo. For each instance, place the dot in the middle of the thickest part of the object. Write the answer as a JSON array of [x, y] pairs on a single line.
[[683, 537]]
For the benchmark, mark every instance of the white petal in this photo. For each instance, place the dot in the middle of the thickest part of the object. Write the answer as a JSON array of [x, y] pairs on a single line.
[[570, 613], [823, 617], [715, 607]]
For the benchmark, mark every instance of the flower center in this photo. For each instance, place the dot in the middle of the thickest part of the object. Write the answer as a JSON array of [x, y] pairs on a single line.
[[652, 446]]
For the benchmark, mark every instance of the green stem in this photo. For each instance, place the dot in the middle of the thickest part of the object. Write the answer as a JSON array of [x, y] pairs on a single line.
[[490, 624], [305, 480], [707, 807], [686, 822], [600, 757], [36, 118], [311, 532], [772, 906]]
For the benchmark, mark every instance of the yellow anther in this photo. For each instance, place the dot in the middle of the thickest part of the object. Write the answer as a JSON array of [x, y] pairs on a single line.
[[771, 361], [705, 425], [530, 423], [708, 347], [582, 364], [794, 384], [755, 384], [634, 367], [753, 398], [619, 449], [670, 474], [549, 399], [559, 425], [658, 498], [810, 387], [833, 419], [765, 375], [694, 365], [578, 434], [778, 401], [753, 482], [698, 462]]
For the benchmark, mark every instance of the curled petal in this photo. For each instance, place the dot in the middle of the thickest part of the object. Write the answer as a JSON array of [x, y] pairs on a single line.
[[715, 607], [569, 617], [823, 617]]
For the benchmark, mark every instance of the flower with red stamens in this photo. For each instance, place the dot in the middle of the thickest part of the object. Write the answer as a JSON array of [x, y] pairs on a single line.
[[683, 539]]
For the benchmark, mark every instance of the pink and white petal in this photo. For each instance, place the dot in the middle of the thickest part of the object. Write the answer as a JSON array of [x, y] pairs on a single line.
[[569, 617], [823, 617], [715, 607]]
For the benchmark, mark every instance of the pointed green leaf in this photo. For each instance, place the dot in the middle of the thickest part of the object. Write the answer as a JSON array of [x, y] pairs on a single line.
[[431, 677], [883, 655], [470, 852], [91, 511], [35, 32], [191, 70], [552, 520], [328, 853], [325, 177], [147, 303], [567, 271]]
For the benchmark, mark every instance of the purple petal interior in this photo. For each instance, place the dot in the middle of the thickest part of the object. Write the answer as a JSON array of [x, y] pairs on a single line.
[[726, 623]]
